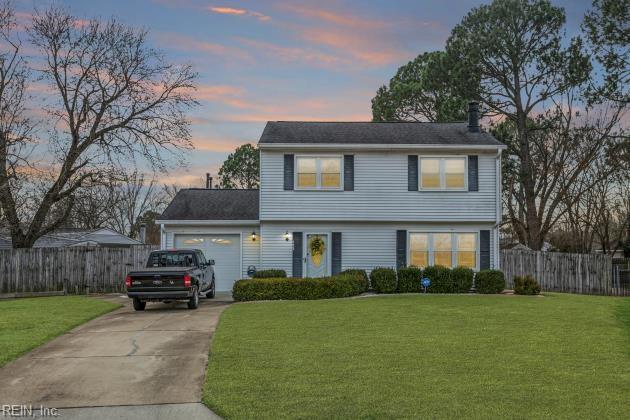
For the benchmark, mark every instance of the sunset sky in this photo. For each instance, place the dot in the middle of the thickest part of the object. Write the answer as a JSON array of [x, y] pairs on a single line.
[[284, 60]]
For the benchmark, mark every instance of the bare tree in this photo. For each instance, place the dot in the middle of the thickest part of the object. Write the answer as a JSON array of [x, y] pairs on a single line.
[[15, 128], [134, 197], [116, 100], [93, 207], [170, 191], [562, 148]]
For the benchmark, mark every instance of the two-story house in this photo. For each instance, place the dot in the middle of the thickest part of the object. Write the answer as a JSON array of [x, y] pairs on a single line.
[[338, 195]]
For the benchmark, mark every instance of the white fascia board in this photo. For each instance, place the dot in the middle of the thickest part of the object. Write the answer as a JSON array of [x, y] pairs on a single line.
[[210, 222], [356, 146]]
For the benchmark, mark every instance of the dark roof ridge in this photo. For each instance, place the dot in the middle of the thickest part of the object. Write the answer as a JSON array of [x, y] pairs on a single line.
[[218, 189], [368, 122]]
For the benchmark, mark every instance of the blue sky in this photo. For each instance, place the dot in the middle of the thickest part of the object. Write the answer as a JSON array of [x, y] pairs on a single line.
[[284, 60]]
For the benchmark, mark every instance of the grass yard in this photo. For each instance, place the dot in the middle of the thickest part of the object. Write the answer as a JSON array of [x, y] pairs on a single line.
[[30, 322], [432, 356]]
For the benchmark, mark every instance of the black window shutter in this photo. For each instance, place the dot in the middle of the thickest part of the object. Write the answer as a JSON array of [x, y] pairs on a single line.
[[412, 173], [401, 248], [473, 173], [484, 251], [348, 173], [336, 252], [288, 172], [297, 254]]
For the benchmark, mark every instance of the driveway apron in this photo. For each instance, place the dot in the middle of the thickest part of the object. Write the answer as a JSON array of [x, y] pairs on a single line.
[[157, 356]]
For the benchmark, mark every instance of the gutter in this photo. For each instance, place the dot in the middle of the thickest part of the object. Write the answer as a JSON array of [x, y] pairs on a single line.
[[210, 222], [382, 146]]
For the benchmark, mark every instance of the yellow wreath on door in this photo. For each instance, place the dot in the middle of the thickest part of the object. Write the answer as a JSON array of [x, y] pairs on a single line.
[[317, 247]]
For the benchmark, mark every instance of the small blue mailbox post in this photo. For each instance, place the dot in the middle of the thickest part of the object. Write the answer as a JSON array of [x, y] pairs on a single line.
[[426, 282]]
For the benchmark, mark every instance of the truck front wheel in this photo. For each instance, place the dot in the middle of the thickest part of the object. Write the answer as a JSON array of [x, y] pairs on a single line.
[[193, 302], [138, 305]]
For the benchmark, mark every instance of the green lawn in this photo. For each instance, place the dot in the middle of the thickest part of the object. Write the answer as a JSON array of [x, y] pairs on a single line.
[[28, 323], [432, 356]]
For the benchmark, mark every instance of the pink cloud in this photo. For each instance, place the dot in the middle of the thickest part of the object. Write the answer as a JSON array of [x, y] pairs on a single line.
[[336, 18], [365, 40], [228, 10], [224, 94], [186, 43], [220, 145], [357, 45], [295, 53], [238, 12]]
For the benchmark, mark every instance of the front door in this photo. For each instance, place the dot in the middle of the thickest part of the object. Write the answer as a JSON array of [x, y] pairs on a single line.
[[317, 264]]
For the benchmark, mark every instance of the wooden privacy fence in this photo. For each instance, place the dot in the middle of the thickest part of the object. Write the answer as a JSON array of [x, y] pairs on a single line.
[[72, 270], [560, 272]]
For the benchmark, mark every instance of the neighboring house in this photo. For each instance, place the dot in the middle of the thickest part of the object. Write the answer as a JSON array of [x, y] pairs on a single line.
[[62, 238], [338, 195]]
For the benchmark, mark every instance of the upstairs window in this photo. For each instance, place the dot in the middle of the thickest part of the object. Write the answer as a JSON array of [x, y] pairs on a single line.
[[318, 173], [443, 173]]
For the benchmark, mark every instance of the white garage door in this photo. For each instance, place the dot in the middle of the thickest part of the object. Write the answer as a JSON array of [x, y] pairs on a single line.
[[225, 250]]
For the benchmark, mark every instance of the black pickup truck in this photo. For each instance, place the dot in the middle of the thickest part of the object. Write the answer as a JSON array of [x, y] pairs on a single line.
[[178, 274]]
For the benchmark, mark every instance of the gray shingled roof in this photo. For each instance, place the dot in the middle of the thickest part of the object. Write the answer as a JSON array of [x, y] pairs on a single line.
[[205, 204], [62, 238], [373, 133]]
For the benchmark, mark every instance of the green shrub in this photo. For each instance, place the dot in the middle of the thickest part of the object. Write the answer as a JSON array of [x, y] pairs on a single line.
[[409, 280], [362, 274], [441, 279], [269, 274], [462, 279], [341, 285], [526, 285], [383, 280], [489, 281]]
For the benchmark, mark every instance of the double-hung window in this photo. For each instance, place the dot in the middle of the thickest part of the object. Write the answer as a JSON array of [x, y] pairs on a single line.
[[443, 173], [319, 172], [443, 248]]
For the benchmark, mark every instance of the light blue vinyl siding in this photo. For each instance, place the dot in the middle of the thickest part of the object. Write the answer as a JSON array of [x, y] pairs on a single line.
[[380, 194], [364, 245]]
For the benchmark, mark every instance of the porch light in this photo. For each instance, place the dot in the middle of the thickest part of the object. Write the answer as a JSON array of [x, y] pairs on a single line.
[[254, 236], [287, 236]]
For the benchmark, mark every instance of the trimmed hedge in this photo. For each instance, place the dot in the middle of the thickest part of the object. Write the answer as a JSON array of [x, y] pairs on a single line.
[[526, 285], [269, 274], [441, 279], [383, 280], [409, 280], [362, 274], [489, 281], [462, 279], [341, 285]]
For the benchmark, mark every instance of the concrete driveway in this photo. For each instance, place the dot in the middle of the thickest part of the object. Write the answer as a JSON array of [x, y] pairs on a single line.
[[128, 358]]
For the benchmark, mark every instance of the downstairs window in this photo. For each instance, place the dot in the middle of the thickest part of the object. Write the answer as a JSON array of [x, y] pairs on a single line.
[[443, 248]]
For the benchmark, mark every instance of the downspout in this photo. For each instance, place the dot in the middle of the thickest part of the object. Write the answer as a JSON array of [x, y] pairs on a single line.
[[498, 211]]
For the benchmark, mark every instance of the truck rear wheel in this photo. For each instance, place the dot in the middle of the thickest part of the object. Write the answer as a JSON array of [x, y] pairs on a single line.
[[210, 293], [193, 302], [138, 305]]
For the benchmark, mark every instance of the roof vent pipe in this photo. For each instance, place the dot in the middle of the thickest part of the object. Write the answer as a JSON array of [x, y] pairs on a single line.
[[208, 181], [473, 117], [143, 233]]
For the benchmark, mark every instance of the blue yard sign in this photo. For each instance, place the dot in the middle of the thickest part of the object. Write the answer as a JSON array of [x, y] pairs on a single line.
[[426, 282]]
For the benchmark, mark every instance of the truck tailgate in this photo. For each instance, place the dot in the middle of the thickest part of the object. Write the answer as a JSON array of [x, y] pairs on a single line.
[[153, 280]]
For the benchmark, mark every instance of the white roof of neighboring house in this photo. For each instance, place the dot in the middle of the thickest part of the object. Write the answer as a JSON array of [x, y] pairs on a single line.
[[78, 237]]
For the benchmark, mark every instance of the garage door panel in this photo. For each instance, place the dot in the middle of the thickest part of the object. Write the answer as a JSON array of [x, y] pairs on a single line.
[[225, 250]]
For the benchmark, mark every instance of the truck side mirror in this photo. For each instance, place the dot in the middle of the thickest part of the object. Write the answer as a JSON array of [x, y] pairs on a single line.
[[210, 262]]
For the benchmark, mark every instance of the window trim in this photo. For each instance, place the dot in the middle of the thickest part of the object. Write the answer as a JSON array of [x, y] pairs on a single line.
[[318, 174], [453, 233], [442, 166]]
